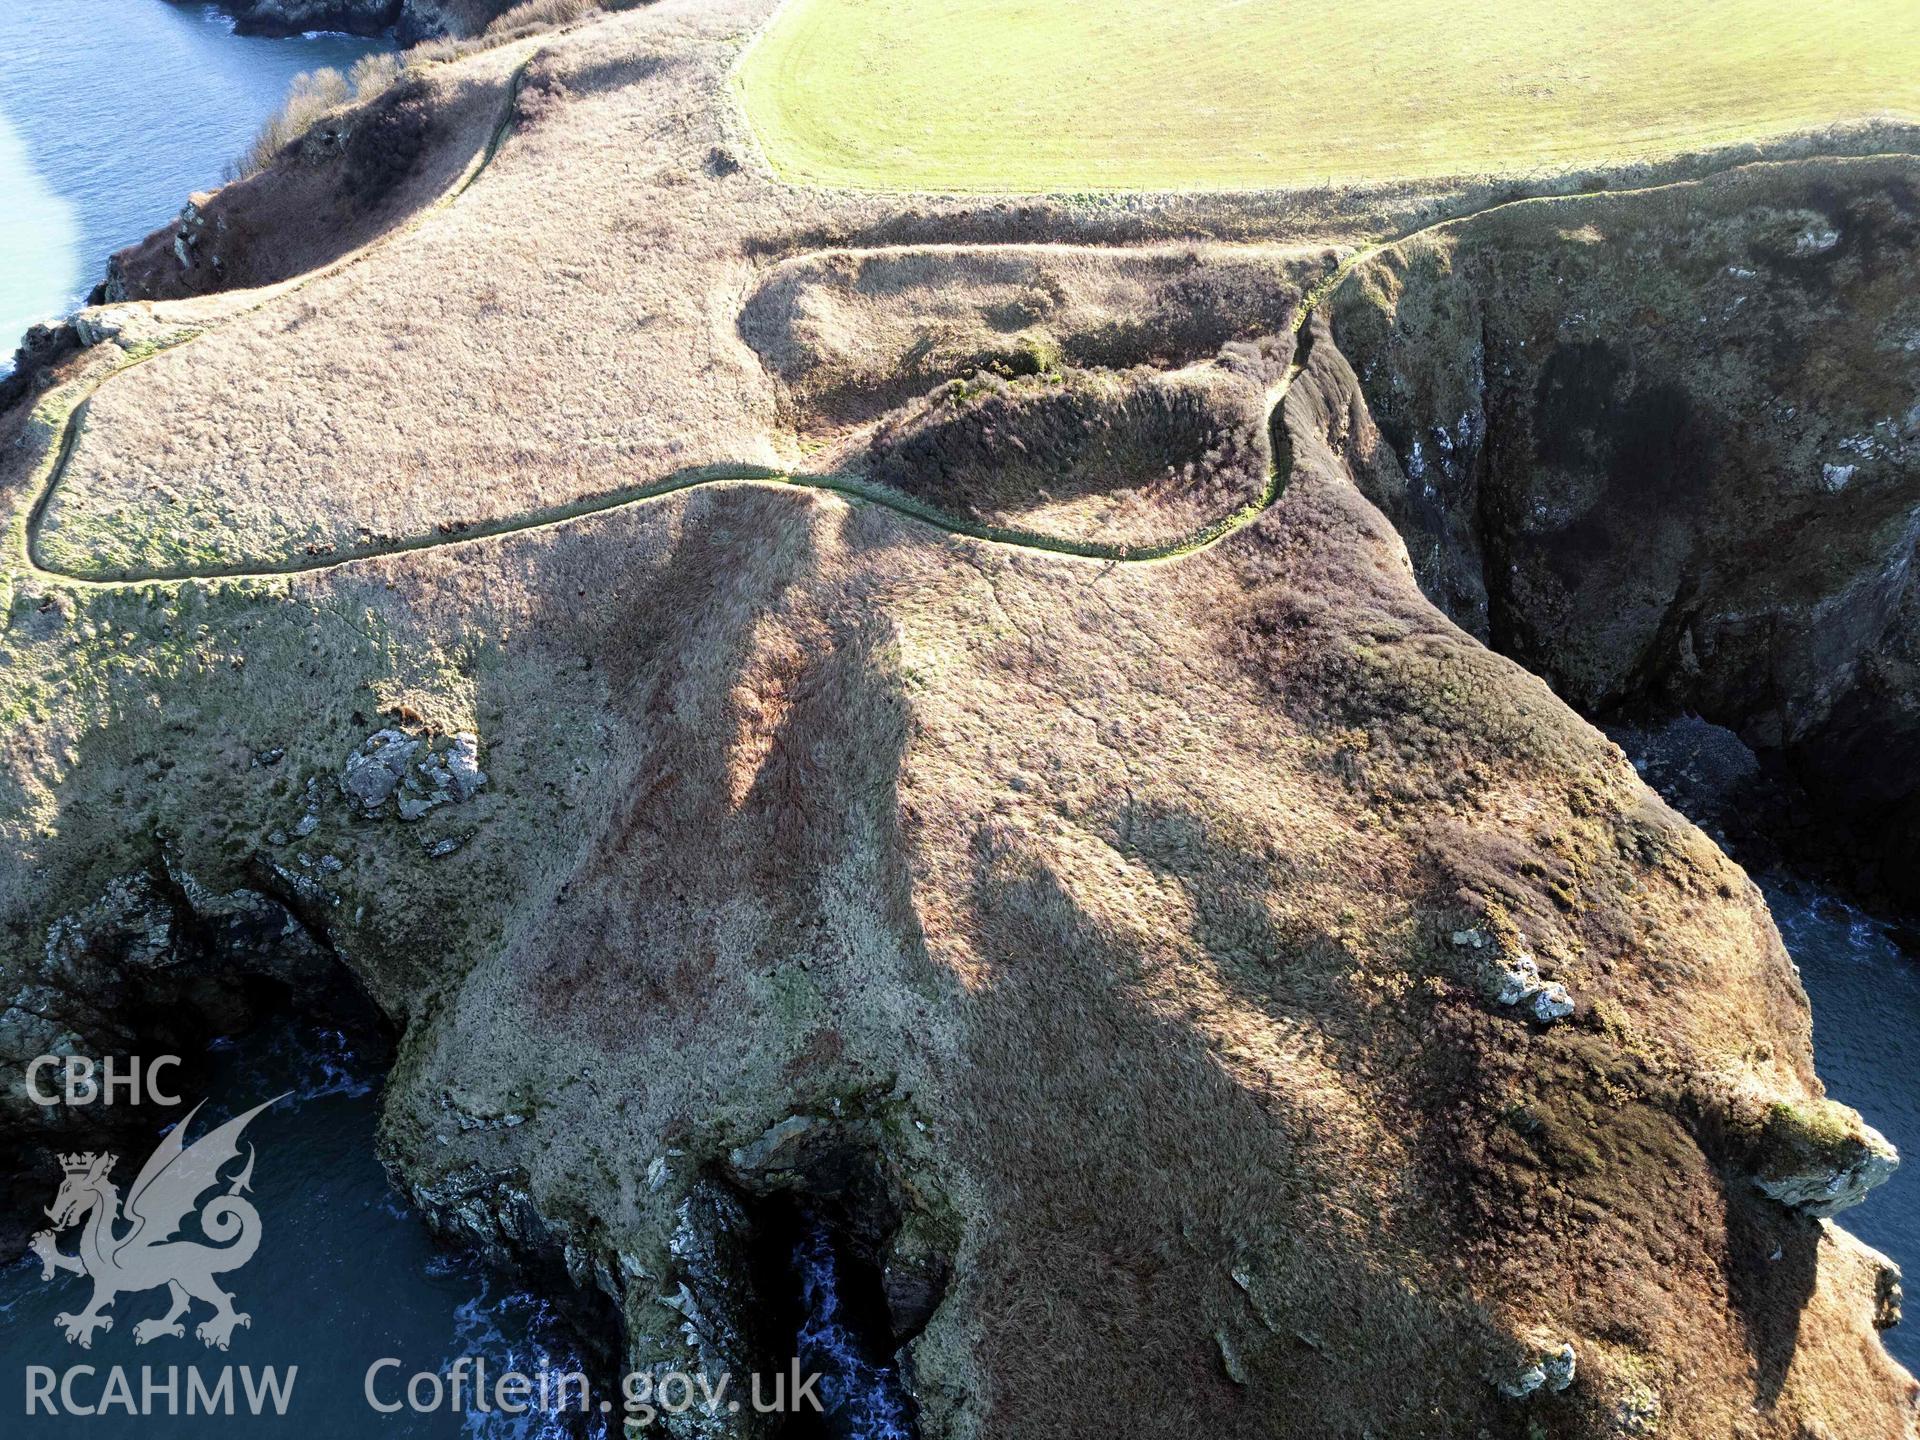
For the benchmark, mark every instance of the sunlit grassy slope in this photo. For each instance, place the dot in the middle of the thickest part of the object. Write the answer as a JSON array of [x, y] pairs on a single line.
[[1149, 94]]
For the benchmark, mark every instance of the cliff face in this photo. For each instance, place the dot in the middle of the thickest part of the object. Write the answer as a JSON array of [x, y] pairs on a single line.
[[1666, 452], [1207, 987], [409, 20], [349, 179]]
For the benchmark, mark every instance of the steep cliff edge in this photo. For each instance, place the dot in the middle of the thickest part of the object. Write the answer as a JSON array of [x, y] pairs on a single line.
[[410, 20], [1214, 993], [358, 173], [1664, 449]]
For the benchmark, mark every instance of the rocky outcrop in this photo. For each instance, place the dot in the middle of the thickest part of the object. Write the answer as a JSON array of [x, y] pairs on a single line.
[[42, 348], [156, 962], [1511, 977], [1552, 1370], [1820, 1159], [156, 955], [416, 772], [1665, 450], [408, 20]]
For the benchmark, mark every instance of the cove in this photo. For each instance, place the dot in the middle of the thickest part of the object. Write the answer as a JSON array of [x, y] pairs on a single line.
[[113, 112]]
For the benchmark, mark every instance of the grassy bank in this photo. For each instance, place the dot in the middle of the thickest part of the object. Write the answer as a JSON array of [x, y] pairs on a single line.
[[1018, 95]]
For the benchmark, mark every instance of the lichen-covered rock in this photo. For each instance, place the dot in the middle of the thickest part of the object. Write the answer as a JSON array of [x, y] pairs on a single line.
[[1821, 1158], [1516, 982], [374, 771], [1511, 978], [1636, 1412], [461, 766], [1551, 1370], [417, 772]]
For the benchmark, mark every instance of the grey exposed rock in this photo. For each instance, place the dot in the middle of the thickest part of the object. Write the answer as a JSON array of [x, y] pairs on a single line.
[[244, 928], [417, 773], [778, 1153], [309, 891], [1821, 1158], [1816, 239], [96, 327], [1551, 1370], [463, 766], [1230, 1360], [130, 927], [1524, 1381], [1513, 980], [714, 1289], [309, 821], [375, 770], [491, 1209], [1561, 1366]]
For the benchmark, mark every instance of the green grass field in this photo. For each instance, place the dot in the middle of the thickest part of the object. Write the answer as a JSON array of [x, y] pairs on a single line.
[[1015, 95]]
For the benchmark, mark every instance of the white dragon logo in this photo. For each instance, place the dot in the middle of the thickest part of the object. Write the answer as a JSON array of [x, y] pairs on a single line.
[[147, 1254]]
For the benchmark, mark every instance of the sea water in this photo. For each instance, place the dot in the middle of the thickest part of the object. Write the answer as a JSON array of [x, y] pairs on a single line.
[[113, 112], [345, 1275], [1866, 1039]]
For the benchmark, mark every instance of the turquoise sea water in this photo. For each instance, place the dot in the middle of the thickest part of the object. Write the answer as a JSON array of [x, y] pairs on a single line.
[[112, 112]]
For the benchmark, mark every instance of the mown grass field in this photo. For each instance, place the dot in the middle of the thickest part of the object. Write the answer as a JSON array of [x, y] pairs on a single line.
[[1016, 95]]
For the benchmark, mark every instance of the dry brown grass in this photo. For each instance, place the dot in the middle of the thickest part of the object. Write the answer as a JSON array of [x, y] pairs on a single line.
[[541, 13], [311, 95], [1136, 459], [358, 173], [852, 334]]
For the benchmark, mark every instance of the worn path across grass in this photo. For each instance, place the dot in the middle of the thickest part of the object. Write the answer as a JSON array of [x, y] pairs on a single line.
[[854, 486], [851, 485], [68, 412]]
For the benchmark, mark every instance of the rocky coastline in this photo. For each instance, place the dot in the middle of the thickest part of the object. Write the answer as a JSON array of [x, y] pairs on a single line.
[[1163, 932], [409, 21]]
